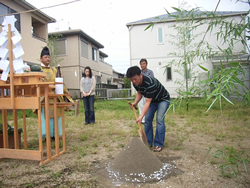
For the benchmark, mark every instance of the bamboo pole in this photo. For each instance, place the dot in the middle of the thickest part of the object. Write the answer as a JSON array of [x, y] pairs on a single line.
[[10, 46], [12, 93]]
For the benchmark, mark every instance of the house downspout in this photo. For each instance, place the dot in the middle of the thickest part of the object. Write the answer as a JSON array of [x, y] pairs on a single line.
[[79, 66], [129, 29]]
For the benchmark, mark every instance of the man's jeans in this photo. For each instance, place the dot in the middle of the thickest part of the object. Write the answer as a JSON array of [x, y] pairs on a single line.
[[89, 108], [161, 108]]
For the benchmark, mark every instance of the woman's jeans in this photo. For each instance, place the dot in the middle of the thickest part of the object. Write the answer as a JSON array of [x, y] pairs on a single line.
[[89, 108], [161, 108]]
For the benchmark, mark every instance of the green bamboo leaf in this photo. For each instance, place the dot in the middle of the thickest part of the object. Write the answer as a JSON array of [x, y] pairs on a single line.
[[234, 64], [244, 164], [212, 104], [150, 25], [203, 68], [231, 169], [213, 93], [178, 10], [210, 148]]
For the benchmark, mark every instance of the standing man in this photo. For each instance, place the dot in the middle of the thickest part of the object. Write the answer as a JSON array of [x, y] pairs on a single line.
[[157, 99], [51, 74], [147, 72]]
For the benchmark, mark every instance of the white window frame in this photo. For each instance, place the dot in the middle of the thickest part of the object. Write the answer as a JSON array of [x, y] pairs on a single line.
[[160, 35], [83, 55], [94, 54]]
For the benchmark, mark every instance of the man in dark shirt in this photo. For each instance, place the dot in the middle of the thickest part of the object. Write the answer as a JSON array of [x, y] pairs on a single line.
[[147, 72], [157, 99]]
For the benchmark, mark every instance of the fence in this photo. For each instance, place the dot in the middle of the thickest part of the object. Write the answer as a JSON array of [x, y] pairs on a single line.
[[107, 86], [113, 94]]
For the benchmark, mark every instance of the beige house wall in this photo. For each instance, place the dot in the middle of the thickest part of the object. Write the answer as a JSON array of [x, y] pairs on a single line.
[[73, 64], [32, 46]]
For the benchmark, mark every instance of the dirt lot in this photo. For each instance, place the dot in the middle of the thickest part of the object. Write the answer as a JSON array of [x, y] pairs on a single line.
[[187, 145]]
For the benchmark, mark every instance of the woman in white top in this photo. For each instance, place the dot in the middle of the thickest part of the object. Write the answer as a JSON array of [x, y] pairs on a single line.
[[87, 87]]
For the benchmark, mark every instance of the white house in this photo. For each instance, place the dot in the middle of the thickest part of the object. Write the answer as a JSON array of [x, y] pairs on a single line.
[[155, 45]]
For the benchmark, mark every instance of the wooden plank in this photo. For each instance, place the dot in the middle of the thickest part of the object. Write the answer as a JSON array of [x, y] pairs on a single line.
[[24, 131], [61, 104], [53, 157], [63, 131], [20, 103], [47, 119], [16, 135], [31, 74], [39, 118], [77, 105], [56, 128], [5, 130], [21, 154]]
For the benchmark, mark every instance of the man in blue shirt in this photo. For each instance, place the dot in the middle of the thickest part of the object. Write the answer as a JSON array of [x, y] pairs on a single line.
[[157, 99], [147, 72]]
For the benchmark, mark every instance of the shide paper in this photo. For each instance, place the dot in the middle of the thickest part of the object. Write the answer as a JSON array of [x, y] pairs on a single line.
[[4, 52]]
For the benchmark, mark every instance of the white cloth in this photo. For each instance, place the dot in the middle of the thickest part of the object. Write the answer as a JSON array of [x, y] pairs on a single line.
[[140, 106], [141, 103]]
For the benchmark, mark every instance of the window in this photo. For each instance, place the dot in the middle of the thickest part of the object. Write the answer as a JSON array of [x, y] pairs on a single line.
[[160, 38], [60, 47], [94, 54], [6, 10], [169, 74], [84, 49], [38, 29], [101, 59], [109, 81]]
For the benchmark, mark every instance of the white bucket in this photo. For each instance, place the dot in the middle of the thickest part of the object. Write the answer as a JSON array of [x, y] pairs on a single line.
[[59, 87]]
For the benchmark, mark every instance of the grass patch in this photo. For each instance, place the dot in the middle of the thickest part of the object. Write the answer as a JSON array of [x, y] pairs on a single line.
[[115, 123], [230, 161]]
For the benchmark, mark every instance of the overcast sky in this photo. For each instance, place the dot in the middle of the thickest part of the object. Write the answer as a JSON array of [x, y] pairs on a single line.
[[105, 20]]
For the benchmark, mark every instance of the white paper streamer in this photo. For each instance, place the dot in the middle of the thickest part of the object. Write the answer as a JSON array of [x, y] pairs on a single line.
[[4, 52]]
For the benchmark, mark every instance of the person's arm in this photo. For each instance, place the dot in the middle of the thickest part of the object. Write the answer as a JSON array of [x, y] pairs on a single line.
[[81, 88], [144, 109], [138, 97], [151, 74]]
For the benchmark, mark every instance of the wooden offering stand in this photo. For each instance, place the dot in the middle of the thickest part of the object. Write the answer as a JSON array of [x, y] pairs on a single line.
[[26, 90]]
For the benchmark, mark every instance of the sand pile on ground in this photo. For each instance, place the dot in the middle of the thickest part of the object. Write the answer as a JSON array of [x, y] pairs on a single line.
[[136, 158], [136, 163]]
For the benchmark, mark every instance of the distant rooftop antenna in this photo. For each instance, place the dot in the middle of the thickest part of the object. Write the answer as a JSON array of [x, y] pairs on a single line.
[[69, 26]]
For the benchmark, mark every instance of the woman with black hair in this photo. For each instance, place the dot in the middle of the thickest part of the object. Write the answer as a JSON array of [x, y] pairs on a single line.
[[87, 87]]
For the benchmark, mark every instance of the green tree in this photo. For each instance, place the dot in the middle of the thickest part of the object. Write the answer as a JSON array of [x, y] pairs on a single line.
[[54, 49], [228, 78], [184, 41], [127, 82], [224, 80]]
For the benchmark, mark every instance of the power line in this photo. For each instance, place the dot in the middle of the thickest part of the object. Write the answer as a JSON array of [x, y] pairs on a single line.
[[33, 10]]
